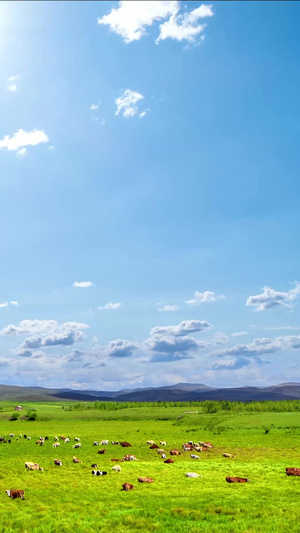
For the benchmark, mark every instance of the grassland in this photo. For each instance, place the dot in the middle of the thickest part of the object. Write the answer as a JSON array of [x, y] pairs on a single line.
[[69, 498]]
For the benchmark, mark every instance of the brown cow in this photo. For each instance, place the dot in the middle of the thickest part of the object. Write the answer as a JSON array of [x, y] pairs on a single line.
[[115, 460], [101, 451], [208, 445], [154, 447], [187, 447], [145, 480], [230, 479], [16, 493], [292, 471], [57, 462], [127, 486], [125, 444], [75, 460], [169, 461], [175, 452], [228, 455]]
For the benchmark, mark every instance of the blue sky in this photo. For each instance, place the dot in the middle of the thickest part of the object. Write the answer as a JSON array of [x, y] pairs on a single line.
[[151, 150]]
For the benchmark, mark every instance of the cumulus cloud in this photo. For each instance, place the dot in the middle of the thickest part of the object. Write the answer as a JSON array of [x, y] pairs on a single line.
[[270, 298], [220, 338], [184, 328], [40, 327], [204, 297], [261, 346], [167, 308], [110, 306], [131, 19], [185, 26], [175, 346], [22, 153], [126, 103], [119, 348], [83, 284], [22, 138], [234, 363], [239, 333]]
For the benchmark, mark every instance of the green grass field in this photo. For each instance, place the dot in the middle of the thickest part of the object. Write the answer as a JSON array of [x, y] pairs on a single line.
[[69, 498]]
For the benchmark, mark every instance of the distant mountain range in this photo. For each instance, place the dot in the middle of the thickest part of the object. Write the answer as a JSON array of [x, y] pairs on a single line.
[[179, 392]]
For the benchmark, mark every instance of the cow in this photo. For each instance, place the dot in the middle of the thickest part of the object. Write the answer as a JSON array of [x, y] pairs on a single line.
[[115, 442], [67, 439], [56, 444], [187, 447], [175, 452], [150, 442], [127, 486], [104, 442], [169, 461], [12, 435], [55, 438], [208, 445], [192, 474], [163, 456], [75, 460], [160, 451], [33, 466], [77, 439], [197, 448], [228, 455], [129, 458], [193, 456], [154, 447], [40, 442], [145, 480], [98, 473], [101, 452], [62, 437], [117, 460], [292, 471], [116, 468], [95, 443], [77, 445], [57, 462], [16, 493], [231, 479], [46, 438], [191, 442], [94, 465], [125, 444], [28, 438], [163, 443]]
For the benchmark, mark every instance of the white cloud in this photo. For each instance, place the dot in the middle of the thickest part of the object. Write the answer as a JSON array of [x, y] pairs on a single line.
[[51, 148], [270, 298], [23, 138], [186, 26], [131, 19], [126, 103], [220, 338], [167, 308], [12, 87], [94, 107], [83, 284], [119, 348], [204, 297], [184, 328], [110, 306], [41, 327], [261, 346], [3, 304], [13, 78], [14, 302], [167, 348], [22, 153], [144, 113], [6, 304], [240, 333]]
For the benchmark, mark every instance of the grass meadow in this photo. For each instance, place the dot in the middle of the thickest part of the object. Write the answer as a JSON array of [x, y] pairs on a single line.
[[69, 498]]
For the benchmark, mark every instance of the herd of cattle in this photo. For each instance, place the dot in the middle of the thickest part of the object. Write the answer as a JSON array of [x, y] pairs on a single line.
[[186, 447]]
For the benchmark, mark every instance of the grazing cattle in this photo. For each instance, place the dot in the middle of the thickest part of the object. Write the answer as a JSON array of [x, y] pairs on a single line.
[[193, 456], [145, 480], [101, 452], [163, 456], [75, 460], [197, 448], [129, 458], [55, 438], [16, 493], [33, 466], [98, 473], [9, 441], [163, 443], [25, 436], [46, 438], [175, 452], [56, 444], [20, 436], [62, 438], [125, 444], [77, 445], [57, 462], [11, 435], [40, 442], [150, 442], [104, 442], [115, 442], [292, 471], [160, 451], [67, 439], [187, 447], [127, 486], [192, 474], [77, 439], [95, 443], [116, 460], [116, 468], [230, 479], [94, 465], [207, 445], [28, 438], [154, 447], [228, 455], [169, 461]]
